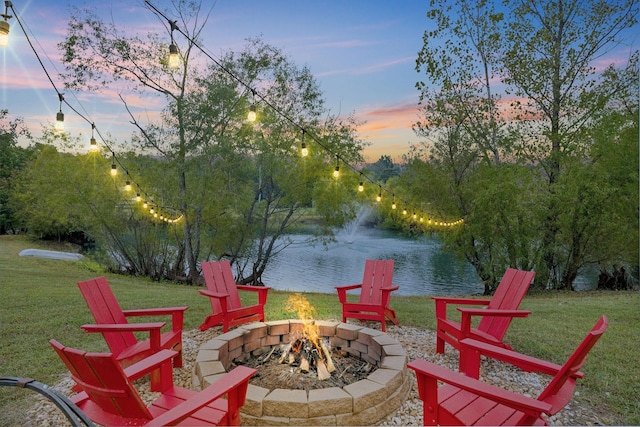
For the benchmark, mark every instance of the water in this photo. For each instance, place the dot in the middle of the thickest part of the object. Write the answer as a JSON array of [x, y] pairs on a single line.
[[421, 267]]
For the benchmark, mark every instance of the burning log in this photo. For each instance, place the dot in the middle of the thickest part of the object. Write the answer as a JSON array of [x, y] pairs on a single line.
[[304, 358], [285, 352], [323, 373], [327, 355]]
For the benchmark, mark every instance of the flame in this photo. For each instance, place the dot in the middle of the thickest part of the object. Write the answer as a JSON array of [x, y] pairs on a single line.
[[299, 304]]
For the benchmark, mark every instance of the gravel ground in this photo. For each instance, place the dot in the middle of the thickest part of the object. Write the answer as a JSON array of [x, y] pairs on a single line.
[[417, 343]]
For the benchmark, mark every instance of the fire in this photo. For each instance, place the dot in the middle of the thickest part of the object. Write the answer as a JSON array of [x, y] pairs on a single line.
[[299, 304], [310, 348]]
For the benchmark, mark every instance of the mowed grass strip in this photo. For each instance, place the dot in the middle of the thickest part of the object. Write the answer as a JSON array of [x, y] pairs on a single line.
[[40, 301]]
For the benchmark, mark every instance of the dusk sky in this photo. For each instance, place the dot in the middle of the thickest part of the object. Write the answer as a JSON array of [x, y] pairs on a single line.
[[362, 53]]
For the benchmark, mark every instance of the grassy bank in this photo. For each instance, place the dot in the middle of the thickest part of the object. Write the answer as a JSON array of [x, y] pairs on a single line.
[[40, 300]]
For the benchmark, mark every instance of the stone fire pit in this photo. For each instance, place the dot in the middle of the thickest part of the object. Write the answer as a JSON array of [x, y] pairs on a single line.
[[364, 402]]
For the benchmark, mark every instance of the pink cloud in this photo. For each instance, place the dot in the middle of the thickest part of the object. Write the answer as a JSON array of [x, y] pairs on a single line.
[[373, 68]]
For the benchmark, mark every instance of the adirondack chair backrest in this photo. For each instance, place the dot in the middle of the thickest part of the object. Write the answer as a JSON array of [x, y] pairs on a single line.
[[103, 379], [219, 278], [106, 310], [560, 390], [377, 274], [508, 296]]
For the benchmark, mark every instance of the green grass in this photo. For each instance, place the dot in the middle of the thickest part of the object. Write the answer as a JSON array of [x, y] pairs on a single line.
[[40, 301]]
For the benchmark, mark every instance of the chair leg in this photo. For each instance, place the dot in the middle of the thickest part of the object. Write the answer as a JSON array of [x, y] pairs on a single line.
[[439, 344], [177, 360]]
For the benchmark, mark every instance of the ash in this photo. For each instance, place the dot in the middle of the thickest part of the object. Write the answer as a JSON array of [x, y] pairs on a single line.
[[272, 374]]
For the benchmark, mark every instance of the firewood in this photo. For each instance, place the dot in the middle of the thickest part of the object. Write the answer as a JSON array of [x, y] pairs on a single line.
[[323, 373], [285, 353], [304, 363], [327, 354], [304, 357]]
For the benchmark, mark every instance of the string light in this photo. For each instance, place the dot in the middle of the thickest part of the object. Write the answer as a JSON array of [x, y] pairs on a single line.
[[59, 125], [304, 151], [174, 57], [379, 196], [114, 168], [174, 61], [251, 116], [393, 204], [127, 186], [4, 24], [93, 144], [252, 109]]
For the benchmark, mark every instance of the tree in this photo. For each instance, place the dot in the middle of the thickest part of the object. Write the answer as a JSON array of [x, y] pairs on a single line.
[[549, 50], [466, 135], [230, 180], [383, 169], [541, 53], [12, 160]]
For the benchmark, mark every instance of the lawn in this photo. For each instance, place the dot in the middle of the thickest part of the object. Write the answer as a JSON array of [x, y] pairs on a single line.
[[40, 301]]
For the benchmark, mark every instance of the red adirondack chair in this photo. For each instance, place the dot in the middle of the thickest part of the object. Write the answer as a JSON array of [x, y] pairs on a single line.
[[109, 398], [222, 291], [375, 293], [468, 401], [496, 317], [111, 321]]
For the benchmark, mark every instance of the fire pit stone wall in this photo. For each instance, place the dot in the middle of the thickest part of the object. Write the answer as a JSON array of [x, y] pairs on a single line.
[[364, 402]]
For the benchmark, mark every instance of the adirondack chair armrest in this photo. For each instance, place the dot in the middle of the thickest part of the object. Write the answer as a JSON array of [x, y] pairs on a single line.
[[153, 328], [151, 363], [177, 314], [460, 301], [342, 291], [465, 321], [219, 296], [428, 374], [386, 294], [442, 302], [261, 290], [234, 384], [495, 312], [522, 361]]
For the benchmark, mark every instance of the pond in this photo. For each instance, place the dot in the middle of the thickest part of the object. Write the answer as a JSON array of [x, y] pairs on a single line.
[[421, 267]]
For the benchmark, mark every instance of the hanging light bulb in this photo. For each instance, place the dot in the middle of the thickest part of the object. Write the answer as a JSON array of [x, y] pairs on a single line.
[[4, 25], [393, 204], [138, 197], [251, 116], [145, 205], [404, 211], [379, 197], [304, 151], [93, 144], [114, 169], [127, 186], [361, 185], [174, 57], [152, 211], [336, 171], [59, 125]]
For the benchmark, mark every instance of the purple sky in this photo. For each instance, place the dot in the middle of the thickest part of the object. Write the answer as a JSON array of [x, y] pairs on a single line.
[[362, 53]]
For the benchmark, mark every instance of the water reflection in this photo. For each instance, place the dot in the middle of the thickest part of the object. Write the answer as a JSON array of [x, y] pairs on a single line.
[[421, 268]]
